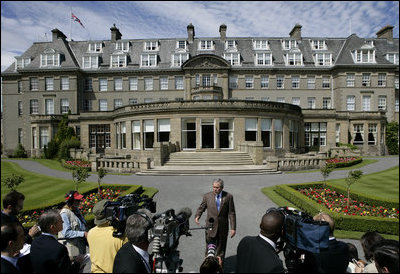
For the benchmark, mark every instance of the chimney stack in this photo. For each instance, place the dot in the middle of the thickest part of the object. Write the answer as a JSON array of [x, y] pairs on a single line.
[[222, 32], [115, 34], [57, 34], [190, 31], [296, 32], [385, 32]]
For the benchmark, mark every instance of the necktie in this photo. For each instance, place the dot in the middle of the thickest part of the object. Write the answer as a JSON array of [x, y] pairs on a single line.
[[218, 201]]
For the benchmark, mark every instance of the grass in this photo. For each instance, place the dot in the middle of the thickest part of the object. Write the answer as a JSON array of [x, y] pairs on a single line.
[[384, 184], [357, 166]]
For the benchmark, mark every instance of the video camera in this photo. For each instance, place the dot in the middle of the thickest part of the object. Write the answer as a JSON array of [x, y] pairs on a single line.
[[301, 236], [117, 212]]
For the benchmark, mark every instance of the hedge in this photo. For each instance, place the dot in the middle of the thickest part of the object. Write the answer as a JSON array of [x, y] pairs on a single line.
[[343, 222], [346, 164]]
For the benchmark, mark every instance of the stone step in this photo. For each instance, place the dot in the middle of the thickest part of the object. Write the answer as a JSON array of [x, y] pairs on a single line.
[[208, 158], [207, 171]]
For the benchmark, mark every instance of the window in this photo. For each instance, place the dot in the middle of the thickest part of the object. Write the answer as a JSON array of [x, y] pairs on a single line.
[[102, 104], [49, 83], [382, 102], [148, 83], [206, 80], [326, 82], [164, 129], [148, 60], [364, 56], [311, 82], [230, 45], [95, 47], [179, 58], [117, 83], [366, 79], [396, 83], [351, 102], [393, 58], [64, 106], [133, 83], [123, 46], [133, 101], [265, 99], [278, 129], [19, 108], [21, 62], [260, 45], [372, 134], [88, 84], [263, 59], [337, 134], [295, 81], [233, 81], [119, 61], [103, 84], [232, 58], [315, 134], [33, 85], [323, 59], [396, 104], [264, 81], [266, 132], [48, 60], [249, 81], [34, 106], [117, 103], [294, 59], [296, 101], [148, 100], [280, 81], [34, 138], [136, 135], [350, 79], [251, 129], [280, 99], [206, 45], [20, 87], [99, 136], [179, 82], [123, 135], [49, 104], [311, 102], [358, 134], [148, 134], [326, 102], [289, 44], [181, 45], [163, 82], [318, 44], [293, 134], [90, 61], [64, 83], [381, 79], [151, 45], [88, 105], [44, 136]]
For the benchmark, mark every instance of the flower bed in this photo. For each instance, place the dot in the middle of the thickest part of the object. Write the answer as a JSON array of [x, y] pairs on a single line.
[[343, 161], [337, 202], [74, 164]]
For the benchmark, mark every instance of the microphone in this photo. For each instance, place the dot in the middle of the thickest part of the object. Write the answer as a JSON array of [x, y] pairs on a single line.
[[187, 212]]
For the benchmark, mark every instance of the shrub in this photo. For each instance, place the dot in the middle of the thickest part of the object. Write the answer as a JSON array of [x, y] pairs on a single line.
[[65, 146], [392, 138], [343, 162], [20, 152], [13, 181], [351, 146], [52, 149]]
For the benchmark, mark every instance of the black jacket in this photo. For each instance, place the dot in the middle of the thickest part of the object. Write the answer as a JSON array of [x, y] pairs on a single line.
[[128, 260]]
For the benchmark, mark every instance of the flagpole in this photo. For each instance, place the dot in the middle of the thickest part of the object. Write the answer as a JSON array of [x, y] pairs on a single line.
[[70, 25]]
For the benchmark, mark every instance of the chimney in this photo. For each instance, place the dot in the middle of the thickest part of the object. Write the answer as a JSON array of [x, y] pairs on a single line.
[[190, 31], [57, 34], [296, 32], [115, 34], [222, 32], [385, 32]]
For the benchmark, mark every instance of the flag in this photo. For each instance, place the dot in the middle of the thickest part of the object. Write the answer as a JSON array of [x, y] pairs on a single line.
[[76, 19]]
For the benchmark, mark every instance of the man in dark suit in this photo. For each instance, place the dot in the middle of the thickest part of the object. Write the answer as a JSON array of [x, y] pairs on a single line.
[[47, 254], [221, 208], [335, 258], [133, 257], [12, 240], [258, 254]]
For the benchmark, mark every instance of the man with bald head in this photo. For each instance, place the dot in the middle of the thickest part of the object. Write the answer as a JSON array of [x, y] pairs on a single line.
[[258, 254]]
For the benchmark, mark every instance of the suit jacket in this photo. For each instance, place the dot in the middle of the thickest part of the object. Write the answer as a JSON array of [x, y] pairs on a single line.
[[333, 259], [5, 219], [7, 267], [49, 256], [226, 212], [128, 260], [255, 255]]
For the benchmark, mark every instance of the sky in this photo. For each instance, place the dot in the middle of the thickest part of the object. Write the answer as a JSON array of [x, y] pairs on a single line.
[[25, 22]]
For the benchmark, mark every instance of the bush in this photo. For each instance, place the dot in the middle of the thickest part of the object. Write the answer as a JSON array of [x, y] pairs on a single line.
[[13, 181], [65, 145], [343, 162], [20, 152], [52, 149], [351, 146], [392, 138]]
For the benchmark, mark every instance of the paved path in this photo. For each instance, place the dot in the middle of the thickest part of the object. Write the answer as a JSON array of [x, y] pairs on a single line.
[[186, 191]]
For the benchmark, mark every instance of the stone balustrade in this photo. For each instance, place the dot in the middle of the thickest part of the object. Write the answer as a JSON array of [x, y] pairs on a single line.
[[118, 165]]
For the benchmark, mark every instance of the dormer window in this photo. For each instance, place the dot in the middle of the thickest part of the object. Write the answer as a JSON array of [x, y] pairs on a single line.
[[260, 44], [151, 45], [230, 45], [181, 45], [318, 44], [393, 58], [370, 43], [179, 58], [118, 61], [232, 58], [206, 45], [123, 46], [148, 60], [294, 59], [263, 59], [323, 59], [90, 61], [49, 58], [21, 62], [95, 47], [289, 44], [364, 56]]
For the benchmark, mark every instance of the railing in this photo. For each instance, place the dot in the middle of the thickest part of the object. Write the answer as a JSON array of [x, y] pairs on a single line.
[[300, 164], [119, 165]]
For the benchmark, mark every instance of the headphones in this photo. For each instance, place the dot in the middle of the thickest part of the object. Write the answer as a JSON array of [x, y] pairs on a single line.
[[149, 221]]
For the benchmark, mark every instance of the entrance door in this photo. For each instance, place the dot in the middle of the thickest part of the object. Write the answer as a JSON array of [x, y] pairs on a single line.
[[189, 134], [100, 144], [207, 134], [226, 133]]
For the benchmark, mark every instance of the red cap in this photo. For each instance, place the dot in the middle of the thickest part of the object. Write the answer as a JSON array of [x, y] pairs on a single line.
[[75, 196]]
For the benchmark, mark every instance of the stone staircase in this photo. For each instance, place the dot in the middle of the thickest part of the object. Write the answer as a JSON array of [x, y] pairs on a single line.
[[208, 163]]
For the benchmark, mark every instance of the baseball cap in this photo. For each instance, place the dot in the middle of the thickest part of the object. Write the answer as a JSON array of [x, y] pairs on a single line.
[[99, 214]]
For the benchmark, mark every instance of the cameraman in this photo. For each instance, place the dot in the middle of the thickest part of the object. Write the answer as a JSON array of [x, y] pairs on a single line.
[[133, 256], [258, 254]]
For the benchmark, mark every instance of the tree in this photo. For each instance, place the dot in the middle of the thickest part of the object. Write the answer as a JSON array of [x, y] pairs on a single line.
[[101, 172], [352, 177], [79, 175], [392, 138], [13, 181], [325, 171]]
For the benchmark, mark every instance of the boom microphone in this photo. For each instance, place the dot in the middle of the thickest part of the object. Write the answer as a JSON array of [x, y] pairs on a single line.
[[187, 212]]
